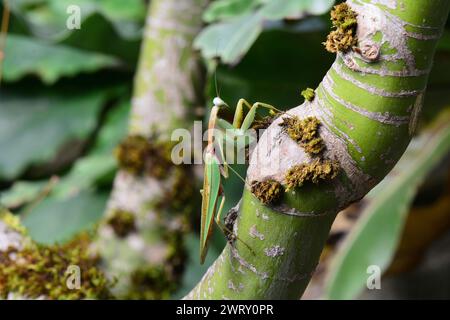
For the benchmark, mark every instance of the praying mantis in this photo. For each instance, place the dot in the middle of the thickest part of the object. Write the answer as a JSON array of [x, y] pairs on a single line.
[[220, 131]]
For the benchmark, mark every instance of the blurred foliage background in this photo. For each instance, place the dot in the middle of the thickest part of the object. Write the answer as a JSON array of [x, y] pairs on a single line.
[[65, 99]]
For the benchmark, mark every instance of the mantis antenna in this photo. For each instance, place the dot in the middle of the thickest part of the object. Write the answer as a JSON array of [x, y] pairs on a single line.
[[215, 68], [3, 33], [215, 81]]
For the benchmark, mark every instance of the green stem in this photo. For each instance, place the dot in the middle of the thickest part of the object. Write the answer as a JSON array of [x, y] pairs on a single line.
[[368, 105]]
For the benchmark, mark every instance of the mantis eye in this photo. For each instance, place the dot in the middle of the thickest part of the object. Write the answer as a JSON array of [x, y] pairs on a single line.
[[219, 102]]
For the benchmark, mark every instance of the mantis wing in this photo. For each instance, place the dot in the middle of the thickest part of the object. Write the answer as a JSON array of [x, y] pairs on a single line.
[[211, 190]]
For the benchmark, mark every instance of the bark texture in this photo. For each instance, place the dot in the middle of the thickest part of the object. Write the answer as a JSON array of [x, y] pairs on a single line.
[[368, 105], [145, 252]]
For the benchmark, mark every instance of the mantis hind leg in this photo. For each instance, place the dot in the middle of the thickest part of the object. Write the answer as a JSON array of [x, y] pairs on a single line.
[[226, 231]]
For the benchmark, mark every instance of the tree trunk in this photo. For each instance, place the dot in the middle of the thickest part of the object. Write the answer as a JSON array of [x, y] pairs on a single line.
[[140, 239], [367, 105]]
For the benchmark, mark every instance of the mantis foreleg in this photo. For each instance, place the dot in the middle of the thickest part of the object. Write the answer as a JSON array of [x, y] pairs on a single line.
[[250, 117]]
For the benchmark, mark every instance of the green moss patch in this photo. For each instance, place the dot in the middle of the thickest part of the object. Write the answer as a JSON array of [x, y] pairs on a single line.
[[268, 192], [305, 132], [314, 172], [343, 36], [37, 271], [139, 155], [151, 283], [122, 222], [309, 94]]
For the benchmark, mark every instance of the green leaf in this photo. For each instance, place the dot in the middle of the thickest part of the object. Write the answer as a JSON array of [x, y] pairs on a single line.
[[35, 126], [20, 193], [232, 37], [374, 239], [85, 173], [100, 162], [295, 9], [229, 40], [28, 56], [99, 35], [112, 27], [47, 18], [58, 220], [228, 9], [113, 130]]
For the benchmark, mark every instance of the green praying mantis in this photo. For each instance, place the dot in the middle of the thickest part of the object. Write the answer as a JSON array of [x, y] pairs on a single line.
[[221, 132]]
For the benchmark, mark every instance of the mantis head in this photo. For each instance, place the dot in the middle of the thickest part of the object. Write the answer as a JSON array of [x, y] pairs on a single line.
[[218, 102]]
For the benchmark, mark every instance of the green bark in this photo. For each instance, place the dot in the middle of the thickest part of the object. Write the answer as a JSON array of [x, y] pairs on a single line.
[[140, 239], [368, 105]]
